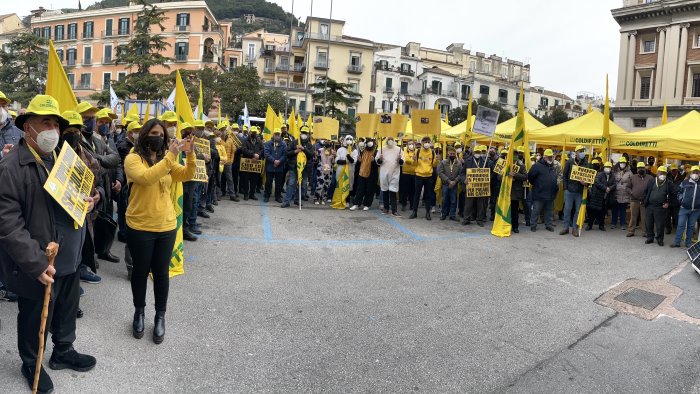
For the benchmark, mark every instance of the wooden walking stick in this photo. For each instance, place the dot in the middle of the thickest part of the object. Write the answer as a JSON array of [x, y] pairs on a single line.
[[51, 252]]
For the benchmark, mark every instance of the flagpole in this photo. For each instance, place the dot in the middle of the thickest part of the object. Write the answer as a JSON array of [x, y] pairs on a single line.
[[328, 60], [286, 97], [306, 69]]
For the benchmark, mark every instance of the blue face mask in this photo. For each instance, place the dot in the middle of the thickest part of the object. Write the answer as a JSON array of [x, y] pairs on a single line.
[[104, 129], [89, 125], [582, 155]]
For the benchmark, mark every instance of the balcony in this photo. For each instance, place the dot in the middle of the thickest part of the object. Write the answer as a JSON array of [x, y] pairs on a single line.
[[299, 68], [407, 71], [72, 36], [208, 58], [83, 86], [180, 57], [431, 90], [297, 86], [324, 37], [88, 36], [389, 90], [250, 58], [107, 33], [321, 65], [87, 62], [297, 43], [267, 52], [355, 69], [182, 28], [59, 38], [269, 70], [123, 32], [107, 60], [70, 62], [282, 67]]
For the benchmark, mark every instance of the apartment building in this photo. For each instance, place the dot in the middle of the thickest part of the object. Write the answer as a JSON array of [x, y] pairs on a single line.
[[87, 41], [10, 26], [415, 77], [659, 61]]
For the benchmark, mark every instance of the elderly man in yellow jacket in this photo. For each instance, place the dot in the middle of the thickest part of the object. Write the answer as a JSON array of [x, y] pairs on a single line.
[[426, 160]]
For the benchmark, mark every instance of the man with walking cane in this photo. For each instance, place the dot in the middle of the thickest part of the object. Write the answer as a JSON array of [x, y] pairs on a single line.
[[30, 219]]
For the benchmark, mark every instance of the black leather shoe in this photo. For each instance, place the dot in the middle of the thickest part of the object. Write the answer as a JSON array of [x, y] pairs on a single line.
[[203, 214], [187, 235], [661, 243], [159, 328], [427, 215], [413, 215], [71, 360], [209, 208], [45, 385], [279, 200], [234, 198], [252, 197], [137, 326], [649, 241], [79, 314], [266, 199], [285, 205], [195, 230], [443, 217], [304, 198], [245, 198], [515, 230], [108, 257]]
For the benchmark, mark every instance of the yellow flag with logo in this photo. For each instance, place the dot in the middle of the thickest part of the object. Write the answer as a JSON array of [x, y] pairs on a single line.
[[147, 113], [57, 84], [293, 126], [582, 211], [502, 224], [342, 192], [301, 163]]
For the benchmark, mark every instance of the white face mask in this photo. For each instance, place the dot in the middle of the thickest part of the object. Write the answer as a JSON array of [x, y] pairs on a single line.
[[4, 116], [532, 162], [135, 136], [607, 170], [47, 140], [623, 166], [459, 150], [304, 137], [426, 145], [662, 177], [477, 155], [411, 147], [694, 176], [172, 131], [361, 145], [217, 139], [370, 144], [390, 143]]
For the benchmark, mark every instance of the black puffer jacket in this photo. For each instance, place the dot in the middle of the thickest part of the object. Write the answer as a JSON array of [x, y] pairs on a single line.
[[598, 195], [543, 178], [569, 185]]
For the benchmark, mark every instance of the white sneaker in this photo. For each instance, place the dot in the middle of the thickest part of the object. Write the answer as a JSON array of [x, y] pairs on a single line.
[[365, 209], [432, 210], [316, 202], [323, 202], [354, 207]]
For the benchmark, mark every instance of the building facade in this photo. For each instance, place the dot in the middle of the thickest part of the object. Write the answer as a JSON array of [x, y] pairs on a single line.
[[87, 41], [659, 61]]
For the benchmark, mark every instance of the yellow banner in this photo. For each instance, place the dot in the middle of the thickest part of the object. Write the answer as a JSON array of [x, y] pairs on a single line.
[[326, 128], [392, 125], [201, 174], [426, 122], [251, 165], [479, 184], [583, 174], [69, 183], [366, 125], [202, 145], [498, 168]]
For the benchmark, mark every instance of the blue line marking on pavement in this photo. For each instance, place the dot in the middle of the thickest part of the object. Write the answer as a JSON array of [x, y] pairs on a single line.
[[398, 226], [267, 227], [336, 242]]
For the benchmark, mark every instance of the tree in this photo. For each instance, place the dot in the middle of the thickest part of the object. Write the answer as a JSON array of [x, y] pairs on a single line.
[[275, 98], [143, 52], [332, 94], [555, 117], [23, 67], [237, 88], [459, 114]]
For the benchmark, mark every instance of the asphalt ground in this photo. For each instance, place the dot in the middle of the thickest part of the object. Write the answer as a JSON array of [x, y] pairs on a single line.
[[319, 300]]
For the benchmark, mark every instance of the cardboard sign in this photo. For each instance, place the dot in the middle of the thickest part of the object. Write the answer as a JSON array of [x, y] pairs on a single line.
[[250, 165], [201, 145], [201, 174], [486, 120], [326, 128], [516, 168], [583, 174], [366, 125], [236, 141], [500, 165], [426, 122], [222, 152], [392, 125], [69, 183], [479, 182]]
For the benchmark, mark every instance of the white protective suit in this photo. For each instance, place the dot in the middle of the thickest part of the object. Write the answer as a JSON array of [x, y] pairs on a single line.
[[390, 169]]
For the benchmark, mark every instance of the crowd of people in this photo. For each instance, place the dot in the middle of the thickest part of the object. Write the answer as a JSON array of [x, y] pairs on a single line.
[[135, 165]]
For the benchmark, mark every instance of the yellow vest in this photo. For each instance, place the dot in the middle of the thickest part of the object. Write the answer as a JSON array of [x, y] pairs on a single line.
[[425, 163]]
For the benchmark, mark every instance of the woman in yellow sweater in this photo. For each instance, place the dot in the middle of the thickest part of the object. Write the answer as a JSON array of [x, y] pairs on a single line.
[[150, 217]]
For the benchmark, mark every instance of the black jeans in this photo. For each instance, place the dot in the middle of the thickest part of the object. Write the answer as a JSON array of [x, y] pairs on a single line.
[[407, 186], [421, 184], [475, 207], [235, 173], [514, 214], [278, 178], [672, 218], [364, 195], [154, 251], [63, 310], [656, 217], [389, 198]]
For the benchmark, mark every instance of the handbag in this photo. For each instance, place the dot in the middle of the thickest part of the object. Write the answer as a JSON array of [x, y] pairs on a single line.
[[105, 229]]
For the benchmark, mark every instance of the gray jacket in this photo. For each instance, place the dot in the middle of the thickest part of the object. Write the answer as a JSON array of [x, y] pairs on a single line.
[[448, 172]]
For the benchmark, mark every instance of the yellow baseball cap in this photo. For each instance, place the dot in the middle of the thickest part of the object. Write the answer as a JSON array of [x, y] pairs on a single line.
[[199, 123], [245, 127], [277, 131], [4, 98], [579, 147], [304, 129], [133, 126], [235, 126], [103, 114], [13, 113], [42, 105], [520, 149], [623, 159], [84, 106], [641, 165], [458, 144], [504, 151], [607, 164], [548, 152], [168, 116], [695, 168], [673, 167], [661, 169], [73, 118], [209, 122], [185, 126]]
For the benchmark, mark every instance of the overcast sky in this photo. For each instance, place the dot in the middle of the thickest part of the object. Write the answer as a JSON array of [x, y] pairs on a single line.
[[570, 45]]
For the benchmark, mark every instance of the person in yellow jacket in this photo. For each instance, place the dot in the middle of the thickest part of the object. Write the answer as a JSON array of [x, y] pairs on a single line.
[[426, 160], [150, 217], [228, 164], [408, 176]]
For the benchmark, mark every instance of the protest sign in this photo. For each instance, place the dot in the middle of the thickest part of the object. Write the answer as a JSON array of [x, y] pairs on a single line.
[[250, 165], [69, 183], [201, 145], [583, 174], [479, 182], [426, 122], [201, 174], [366, 125], [498, 168], [392, 125], [222, 152], [486, 120]]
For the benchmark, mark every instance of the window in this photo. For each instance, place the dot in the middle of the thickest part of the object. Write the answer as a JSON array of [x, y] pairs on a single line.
[[183, 21], [389, 82], [59, 52], [108, 28], [385, 106], [322, 59], [87, 55], [517, 97], [639, 123], [121, 76], [404, 87], [232, 62], [72, 31], [302, 106], [71, 56], [251, 51], [323, 29], [486, 68], [37, 32], [351, 113], [648, 46], [472, 66], [106, 80], [124, 25], [484, 90], [502, 96], [645, 88], [284, 62], [696, 86], [318, 110], [181, 51], [108, 54], [405, 67], [465, 92], [85, 80], [47, 33], [293, 103], [383, 64], [88, 29], [436, 87], [354, 85], [355, 60], [544, 102], [58, 33], [504, 72], [71, 80]]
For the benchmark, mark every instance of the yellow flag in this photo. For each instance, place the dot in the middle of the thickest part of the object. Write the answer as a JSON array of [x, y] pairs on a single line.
[[293, 126], [301, 163], [582, 211], [590, 108], [271, 122], [664, 116], [605, 149], [183, 109], [310, 121], [147, 114], [502, 224], [200, 103], [468, 131], [133, 111], [447, 118], [342, 192], [57, 84]]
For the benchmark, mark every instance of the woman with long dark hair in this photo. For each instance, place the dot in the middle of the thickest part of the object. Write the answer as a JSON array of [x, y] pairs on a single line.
[[150, 217]]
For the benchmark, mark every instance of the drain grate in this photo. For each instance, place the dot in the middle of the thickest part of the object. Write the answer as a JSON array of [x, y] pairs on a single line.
[[641, 298]]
